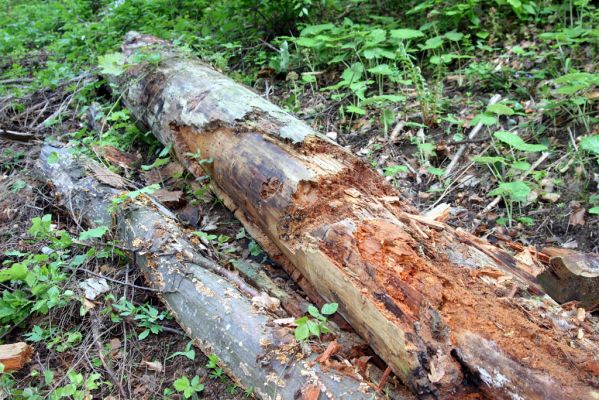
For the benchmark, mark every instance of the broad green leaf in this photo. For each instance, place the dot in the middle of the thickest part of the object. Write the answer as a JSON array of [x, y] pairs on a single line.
[[517, 191], [376, 36], [16, 272], [94, 233], [521, 165], [329, 308], [111, 64], [454, 36], [182, 383], [485, 119], [590, 143], [355, 109], [316, 29], [302, 332], [313, 328], [432, 43], [594, 210], [405, 34], [500, 109], [313, 311], [517, 143], [381, 69]]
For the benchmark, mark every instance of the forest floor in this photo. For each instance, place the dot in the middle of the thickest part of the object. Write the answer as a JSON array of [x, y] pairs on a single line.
[[537, 152]]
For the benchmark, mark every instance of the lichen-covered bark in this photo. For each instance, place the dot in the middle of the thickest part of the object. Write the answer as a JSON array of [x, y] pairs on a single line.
[[214, 312], [409, 286]]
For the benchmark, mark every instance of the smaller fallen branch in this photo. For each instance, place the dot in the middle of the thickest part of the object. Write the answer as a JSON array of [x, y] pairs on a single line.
[[215, 312]]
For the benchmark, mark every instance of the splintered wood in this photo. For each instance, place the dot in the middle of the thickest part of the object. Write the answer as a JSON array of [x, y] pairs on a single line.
[[14, 356]]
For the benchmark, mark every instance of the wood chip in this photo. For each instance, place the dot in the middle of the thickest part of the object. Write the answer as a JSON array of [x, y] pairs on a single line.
[[14, 356]]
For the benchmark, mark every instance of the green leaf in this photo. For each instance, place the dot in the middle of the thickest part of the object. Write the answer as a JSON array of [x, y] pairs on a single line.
[[590, 143], [394, 170], [355, 109], [94, 233], [521, 165], [594, 210], [53, 158], [500, 109], [329, 308], [313, 311], [111, 64], [454, 36], [405, 34], [16, 272], [381, 69], [485, 119], [181, 384], [517, 191], [432, 43], [302, 332], [313, 328], [515, 141]]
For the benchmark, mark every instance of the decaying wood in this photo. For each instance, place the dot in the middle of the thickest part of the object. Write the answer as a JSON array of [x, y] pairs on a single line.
[[572, 276], [435, 303], [215, 313], [14, 356]]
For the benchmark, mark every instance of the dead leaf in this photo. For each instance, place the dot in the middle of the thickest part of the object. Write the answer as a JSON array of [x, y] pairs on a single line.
[[310, 392], [169, 198], [577, 217], [116, 156], [107, 177], [153, 365], [93, 287], [264, 301]]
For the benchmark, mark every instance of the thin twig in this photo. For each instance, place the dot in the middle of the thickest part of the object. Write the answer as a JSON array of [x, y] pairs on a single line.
[[107, 367], [149, 289], [471, 136]]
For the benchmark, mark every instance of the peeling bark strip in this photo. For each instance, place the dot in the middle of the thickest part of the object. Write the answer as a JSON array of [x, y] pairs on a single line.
[[413, 288], [253, 350]]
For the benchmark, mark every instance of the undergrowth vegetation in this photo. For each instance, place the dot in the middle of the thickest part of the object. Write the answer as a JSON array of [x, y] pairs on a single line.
[[401, 83]]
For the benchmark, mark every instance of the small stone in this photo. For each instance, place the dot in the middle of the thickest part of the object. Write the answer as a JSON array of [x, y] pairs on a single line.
[[580, 314], [332, 135]]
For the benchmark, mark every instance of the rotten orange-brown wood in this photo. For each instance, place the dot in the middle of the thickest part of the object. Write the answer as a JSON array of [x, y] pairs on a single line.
[[14, 356], [430, 300]]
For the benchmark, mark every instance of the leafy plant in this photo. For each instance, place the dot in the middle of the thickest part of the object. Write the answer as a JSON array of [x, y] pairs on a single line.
[[307, 327], [189, 388]]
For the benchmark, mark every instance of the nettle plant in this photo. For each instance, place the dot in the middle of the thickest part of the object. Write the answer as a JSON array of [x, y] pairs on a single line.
[[510, 170]]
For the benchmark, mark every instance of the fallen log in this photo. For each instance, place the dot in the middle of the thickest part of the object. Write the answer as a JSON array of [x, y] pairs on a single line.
[[432, 301], [14, 356], [219, 317]]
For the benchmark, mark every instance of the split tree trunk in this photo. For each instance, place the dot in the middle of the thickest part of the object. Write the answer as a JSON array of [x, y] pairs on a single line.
[[215, 313], [14, 356], [431, 301]]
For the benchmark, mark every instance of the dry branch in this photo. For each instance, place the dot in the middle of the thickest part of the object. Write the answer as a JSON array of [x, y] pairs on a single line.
[[435, 303]]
